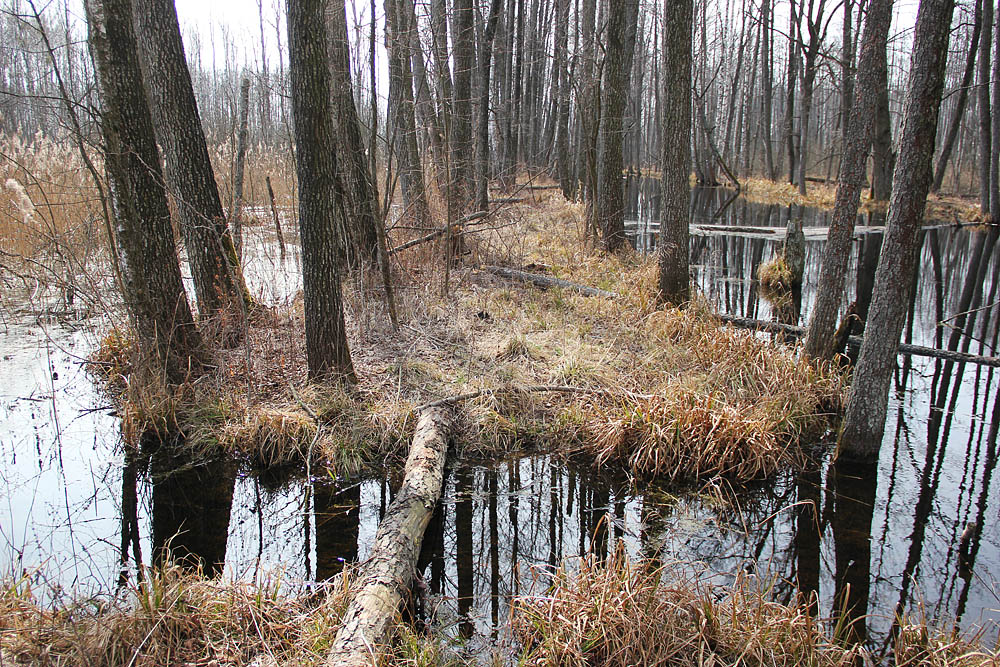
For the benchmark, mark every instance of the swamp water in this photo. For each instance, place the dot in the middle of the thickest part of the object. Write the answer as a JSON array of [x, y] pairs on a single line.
[[893, 533]]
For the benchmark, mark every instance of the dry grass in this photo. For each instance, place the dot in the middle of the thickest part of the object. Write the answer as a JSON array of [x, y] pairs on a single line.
[[662, 393], [181, 618], [637, 613], [948, 208], [775, 274]]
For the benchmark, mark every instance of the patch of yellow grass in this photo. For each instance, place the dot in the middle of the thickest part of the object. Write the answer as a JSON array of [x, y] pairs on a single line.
[[624, 612]]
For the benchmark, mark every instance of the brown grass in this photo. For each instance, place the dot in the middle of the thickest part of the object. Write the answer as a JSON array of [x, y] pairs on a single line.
[[662, 393], [941, 207], [623, 612], [181, 618], [775, 274]]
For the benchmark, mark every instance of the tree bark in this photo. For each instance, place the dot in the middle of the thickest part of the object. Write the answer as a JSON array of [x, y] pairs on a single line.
[[386, 575], [622, 18], [154, 293], [218, 280], [320, 198], [483, 127], [675, 137], [462, 179], [864, 420], [983, 97], [361, 198], [402, 112], [963, 98], [236, 207], [858, 135]]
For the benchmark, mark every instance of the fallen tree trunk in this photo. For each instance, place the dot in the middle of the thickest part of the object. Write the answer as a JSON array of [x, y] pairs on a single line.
[[904, 348], [546, 281], [386, 575]]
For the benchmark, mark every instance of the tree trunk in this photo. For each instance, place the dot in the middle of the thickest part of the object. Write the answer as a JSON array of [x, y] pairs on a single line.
[[154, 293], [462, 177], [767, 94], [963, 98], [622, 18], [859, 135], [360, 232], [675, 137], [236, 208], [402, 118], [563, 96], [386, 575], [483, 128], [883, 157], [864, 421], [218, 280], [985, 124], [424, 104], [320, 199], [790, 77]]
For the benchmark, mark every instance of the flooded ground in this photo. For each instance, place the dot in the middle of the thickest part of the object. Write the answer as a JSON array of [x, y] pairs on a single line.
[[919, 531]]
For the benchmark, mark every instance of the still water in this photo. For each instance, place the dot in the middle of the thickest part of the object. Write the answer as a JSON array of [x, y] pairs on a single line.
[[883, 538]]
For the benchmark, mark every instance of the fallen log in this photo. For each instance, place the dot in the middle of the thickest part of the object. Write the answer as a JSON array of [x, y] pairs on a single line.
[[546, 281], [385, 577], [904, 348]]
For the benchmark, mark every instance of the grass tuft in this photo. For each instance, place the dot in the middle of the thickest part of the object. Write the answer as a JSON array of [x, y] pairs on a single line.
[[625, 612]]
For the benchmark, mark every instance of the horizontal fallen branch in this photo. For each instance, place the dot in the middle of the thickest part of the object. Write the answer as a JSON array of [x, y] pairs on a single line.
[[386, 575], [904, 348], [547, 281], [472, 217]]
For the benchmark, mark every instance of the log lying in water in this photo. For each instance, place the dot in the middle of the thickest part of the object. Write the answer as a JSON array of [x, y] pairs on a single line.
[[546, 281], [386, 575], [904, 348]]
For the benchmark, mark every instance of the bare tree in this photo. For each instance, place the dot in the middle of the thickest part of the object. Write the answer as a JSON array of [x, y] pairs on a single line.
[[864, 420], [674, 280], [859, 134], [154, 293], [319, 193], [217, 276], [620, 48]]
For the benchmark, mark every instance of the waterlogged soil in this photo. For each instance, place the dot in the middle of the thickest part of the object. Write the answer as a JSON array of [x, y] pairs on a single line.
[[919, 531]]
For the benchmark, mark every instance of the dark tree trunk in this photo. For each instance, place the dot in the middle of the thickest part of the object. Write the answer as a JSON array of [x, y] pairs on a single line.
[[358, 182], [462, 178], [563, 94], [963, 98], [859, 134], [983, 97], [790, 77], [864, 421], [154, 293], [622, 17], [483, 127], [402, 117], [319, 195], [675, 137], [425, 105], [767, 94], [236, 208], [883, 157], [588, 112], [218, 280]]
